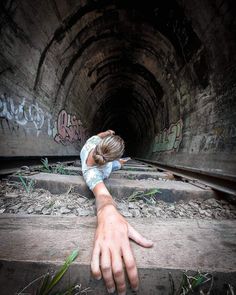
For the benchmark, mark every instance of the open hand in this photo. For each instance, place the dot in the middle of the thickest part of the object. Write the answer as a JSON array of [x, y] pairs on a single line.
[[110, 246], [124, 160], [111, 132]]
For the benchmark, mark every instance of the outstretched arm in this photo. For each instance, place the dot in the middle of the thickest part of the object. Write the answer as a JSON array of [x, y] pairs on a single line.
[[112, 243], [106, 133]]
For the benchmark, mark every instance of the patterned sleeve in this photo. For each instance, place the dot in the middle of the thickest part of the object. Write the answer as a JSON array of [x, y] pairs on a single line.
[[92, 177], [90, 144], [116, 165]]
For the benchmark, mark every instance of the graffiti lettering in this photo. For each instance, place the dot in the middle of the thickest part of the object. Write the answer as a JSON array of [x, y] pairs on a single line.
[[20, 114], [169, 139], [69, 129]]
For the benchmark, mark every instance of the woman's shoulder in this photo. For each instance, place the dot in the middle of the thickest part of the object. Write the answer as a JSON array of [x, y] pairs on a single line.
[[95, 139]]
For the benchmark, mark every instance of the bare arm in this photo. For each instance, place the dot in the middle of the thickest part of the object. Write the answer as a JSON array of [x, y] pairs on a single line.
[[112, 243], [106, 133]]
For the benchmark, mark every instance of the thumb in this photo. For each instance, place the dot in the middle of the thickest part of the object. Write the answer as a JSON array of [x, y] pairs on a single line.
[[139, 239]]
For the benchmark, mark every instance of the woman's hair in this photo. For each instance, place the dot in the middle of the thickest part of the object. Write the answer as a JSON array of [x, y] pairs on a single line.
[[109, 148]]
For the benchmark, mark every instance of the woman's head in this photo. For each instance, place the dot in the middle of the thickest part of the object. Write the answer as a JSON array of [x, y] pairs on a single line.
[[109, 148]]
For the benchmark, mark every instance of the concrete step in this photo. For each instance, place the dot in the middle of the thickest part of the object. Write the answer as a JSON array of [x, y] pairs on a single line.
[[32, 245], [126, 174], [138, 175], [170, 191], [138, 165], [138, 168]]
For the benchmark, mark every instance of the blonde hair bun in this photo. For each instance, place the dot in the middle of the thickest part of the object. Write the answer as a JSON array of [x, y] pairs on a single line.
[[99, 159], [109, 149]]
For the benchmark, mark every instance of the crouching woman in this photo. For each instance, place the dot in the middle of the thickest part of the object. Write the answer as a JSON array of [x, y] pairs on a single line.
[[99, 157]]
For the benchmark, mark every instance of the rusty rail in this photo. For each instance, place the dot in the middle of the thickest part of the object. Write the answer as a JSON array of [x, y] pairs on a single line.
[[221, 184]]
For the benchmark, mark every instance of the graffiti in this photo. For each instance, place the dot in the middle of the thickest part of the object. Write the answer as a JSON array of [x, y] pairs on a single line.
[[69, 129], [21, 114], [169, 139], [219, 139]]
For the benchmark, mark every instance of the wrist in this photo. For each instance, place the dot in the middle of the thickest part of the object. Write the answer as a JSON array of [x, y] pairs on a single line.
[[105, 210], [103, 201]]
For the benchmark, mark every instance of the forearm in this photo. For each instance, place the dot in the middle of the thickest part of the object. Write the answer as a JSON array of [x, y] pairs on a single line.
[[111, 245], [102, 196]]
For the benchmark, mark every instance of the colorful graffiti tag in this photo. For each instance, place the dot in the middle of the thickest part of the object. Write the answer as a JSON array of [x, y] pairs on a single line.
[[169, 139], [69, 129], [66, 129]]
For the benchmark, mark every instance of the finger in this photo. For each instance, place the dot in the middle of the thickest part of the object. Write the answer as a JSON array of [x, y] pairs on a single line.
[[95, 262], [118, 273], [139, 239], [107, 271], [130, 265]]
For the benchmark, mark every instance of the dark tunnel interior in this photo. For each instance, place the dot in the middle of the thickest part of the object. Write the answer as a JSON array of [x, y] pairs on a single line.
[[131, 95]]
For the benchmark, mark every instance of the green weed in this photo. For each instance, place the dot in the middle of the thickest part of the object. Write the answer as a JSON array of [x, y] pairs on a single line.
[[131, 177], [28, 185], [149, 196], [192, 283], [60, 169], [230, 290], [55, 169], [46, 167], [48, 282]]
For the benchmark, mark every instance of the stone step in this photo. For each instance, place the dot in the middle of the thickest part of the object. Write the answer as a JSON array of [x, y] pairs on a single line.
[[126, 174], [32, 245], [138, 175], [169, 191], [125, 168], [138, 168], [138, 165]]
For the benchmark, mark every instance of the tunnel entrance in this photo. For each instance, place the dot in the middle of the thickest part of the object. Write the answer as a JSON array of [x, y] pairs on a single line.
[[130, 115]]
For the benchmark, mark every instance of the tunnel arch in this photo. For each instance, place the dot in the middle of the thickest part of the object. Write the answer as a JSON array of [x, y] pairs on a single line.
[[174, 61]]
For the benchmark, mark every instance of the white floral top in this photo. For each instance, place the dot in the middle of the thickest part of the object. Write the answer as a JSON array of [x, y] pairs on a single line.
[[95, 174]]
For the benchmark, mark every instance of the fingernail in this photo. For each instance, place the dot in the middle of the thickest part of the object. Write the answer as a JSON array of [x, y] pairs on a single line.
[[135, 289], [98, 278], [111, 290]]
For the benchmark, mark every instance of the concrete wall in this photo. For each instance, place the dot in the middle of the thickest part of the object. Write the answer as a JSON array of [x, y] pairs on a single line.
[[30, 123], [162, 75], [204, 134]]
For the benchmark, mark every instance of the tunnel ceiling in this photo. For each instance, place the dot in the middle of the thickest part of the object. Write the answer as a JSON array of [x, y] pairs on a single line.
[[115, 60]]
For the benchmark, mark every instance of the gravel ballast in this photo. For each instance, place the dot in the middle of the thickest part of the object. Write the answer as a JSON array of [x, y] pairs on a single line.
[[14, 199]]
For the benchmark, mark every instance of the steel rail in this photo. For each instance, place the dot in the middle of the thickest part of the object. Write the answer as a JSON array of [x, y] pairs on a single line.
[[221, 184], [217, 183]]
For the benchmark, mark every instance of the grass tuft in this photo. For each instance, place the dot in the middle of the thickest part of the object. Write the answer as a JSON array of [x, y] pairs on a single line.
[[55, 169], [50, 281], [148, 197], [28, 185], [192, 283]]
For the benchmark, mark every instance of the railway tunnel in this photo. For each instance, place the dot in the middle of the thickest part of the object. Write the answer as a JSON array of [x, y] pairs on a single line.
[[162, 75]]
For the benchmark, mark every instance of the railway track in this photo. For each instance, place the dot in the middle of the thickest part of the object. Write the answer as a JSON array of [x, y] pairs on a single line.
[[178, 212], [225, 184]]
